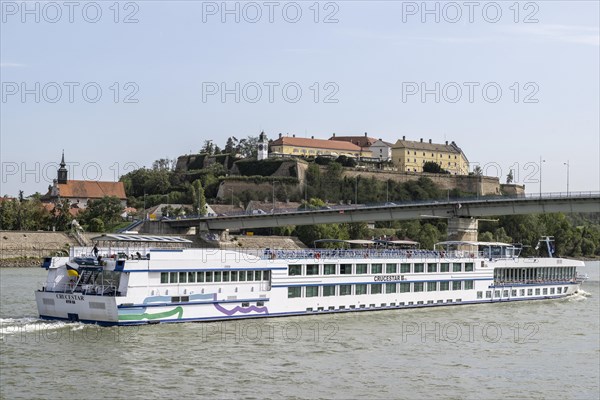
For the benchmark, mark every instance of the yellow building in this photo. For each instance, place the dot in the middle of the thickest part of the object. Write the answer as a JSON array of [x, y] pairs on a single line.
[[410, 156], [302, 147]]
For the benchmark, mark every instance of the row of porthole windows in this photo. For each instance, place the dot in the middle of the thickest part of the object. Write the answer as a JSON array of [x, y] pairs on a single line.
[[377, 288], [358, 269], [214, 276], [373, 305], [521, 292]]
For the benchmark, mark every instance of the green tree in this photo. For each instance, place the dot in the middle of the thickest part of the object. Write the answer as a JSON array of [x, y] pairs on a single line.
[[510, 177], [107, 209], [434, 168], [199, 199], [96, 225]]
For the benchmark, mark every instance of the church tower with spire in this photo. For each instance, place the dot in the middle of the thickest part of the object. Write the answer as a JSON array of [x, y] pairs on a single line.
[[62, 171]]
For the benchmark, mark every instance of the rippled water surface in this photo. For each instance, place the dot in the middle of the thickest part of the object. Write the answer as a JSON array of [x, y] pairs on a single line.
[[525, 350]]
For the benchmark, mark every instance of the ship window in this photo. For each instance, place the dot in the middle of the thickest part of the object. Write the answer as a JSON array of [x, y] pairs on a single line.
[[360, 289], [185, 299], [294, 270], [312, 291], [456, 285], [376, 268], [328, 290], [183, 277], [496, 293], [405, 268], [209, 276], [488, 294], [257, 275], [551, 290], [468, 267], [260, 303], [249, 276], [175, 299], [468, 285], [537, 292], [200, 277], [375, 288], [404, 287], [245, 304], [444, 267], [312, 270], [480, 295], [217, 276], [173, 277], [419, 267], [266, 275], [391, 268], [456, 267], [361, 268], [345, 269], [294, 292], [390, 288], [522, 292], [444, 285], [345, 290], [418, 286], [565, 289], [329, 269], [513, 293], [164, 277], [191, 277], [505, 293], [529, 292], [234, 276], [432, 267], [242, 277], [431, 286], [225, 276]]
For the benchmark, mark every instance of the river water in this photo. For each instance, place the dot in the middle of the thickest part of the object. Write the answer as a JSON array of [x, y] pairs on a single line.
[[524, 350]]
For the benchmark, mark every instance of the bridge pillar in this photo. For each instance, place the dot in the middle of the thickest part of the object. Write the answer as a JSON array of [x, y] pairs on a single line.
[[463, 229]]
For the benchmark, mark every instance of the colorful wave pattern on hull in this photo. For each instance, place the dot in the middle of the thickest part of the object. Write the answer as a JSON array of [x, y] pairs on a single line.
[[140, 313]]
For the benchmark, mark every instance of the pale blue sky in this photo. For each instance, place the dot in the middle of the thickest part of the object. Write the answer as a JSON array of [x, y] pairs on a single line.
[[370, 55]]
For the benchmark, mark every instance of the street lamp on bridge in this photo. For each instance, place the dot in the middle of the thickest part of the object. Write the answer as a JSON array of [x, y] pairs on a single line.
[[541, 161], [567, 164]]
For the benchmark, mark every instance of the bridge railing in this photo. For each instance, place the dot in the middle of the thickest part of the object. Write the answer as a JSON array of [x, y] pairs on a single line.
[[395, 203]]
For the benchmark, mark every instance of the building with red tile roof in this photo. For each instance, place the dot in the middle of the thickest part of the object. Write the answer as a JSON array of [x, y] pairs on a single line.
[[304, 147], [79, 193]]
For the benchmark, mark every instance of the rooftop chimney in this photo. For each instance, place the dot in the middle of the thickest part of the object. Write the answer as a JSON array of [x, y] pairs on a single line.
[[403, 137], [333, 134], [294, 135], [446, 143], [429, 140], [365, 134], [312, 137], [280, 135], [421, 140]]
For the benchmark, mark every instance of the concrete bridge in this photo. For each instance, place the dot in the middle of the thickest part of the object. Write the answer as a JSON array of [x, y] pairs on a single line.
[[462, 213]]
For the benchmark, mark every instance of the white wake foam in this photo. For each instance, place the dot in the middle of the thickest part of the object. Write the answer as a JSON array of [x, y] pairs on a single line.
[[16, 326]]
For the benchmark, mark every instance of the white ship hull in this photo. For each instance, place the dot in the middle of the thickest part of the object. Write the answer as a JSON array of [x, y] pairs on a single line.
[[159, 290]]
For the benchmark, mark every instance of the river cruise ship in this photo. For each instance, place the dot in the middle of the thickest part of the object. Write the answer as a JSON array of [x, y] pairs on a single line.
[[138, 279]]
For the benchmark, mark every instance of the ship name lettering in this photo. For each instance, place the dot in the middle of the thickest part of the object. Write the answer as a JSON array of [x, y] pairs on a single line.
[[69, 296], [385, 278]]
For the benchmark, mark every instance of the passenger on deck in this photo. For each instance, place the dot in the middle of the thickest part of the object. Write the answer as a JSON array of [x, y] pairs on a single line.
[[139, 256], [95, 250]]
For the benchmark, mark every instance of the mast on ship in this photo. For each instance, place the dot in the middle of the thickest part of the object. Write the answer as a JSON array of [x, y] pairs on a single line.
[[549, 240]]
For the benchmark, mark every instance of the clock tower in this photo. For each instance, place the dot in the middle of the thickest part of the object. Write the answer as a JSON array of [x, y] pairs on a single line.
[[263, 147]]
